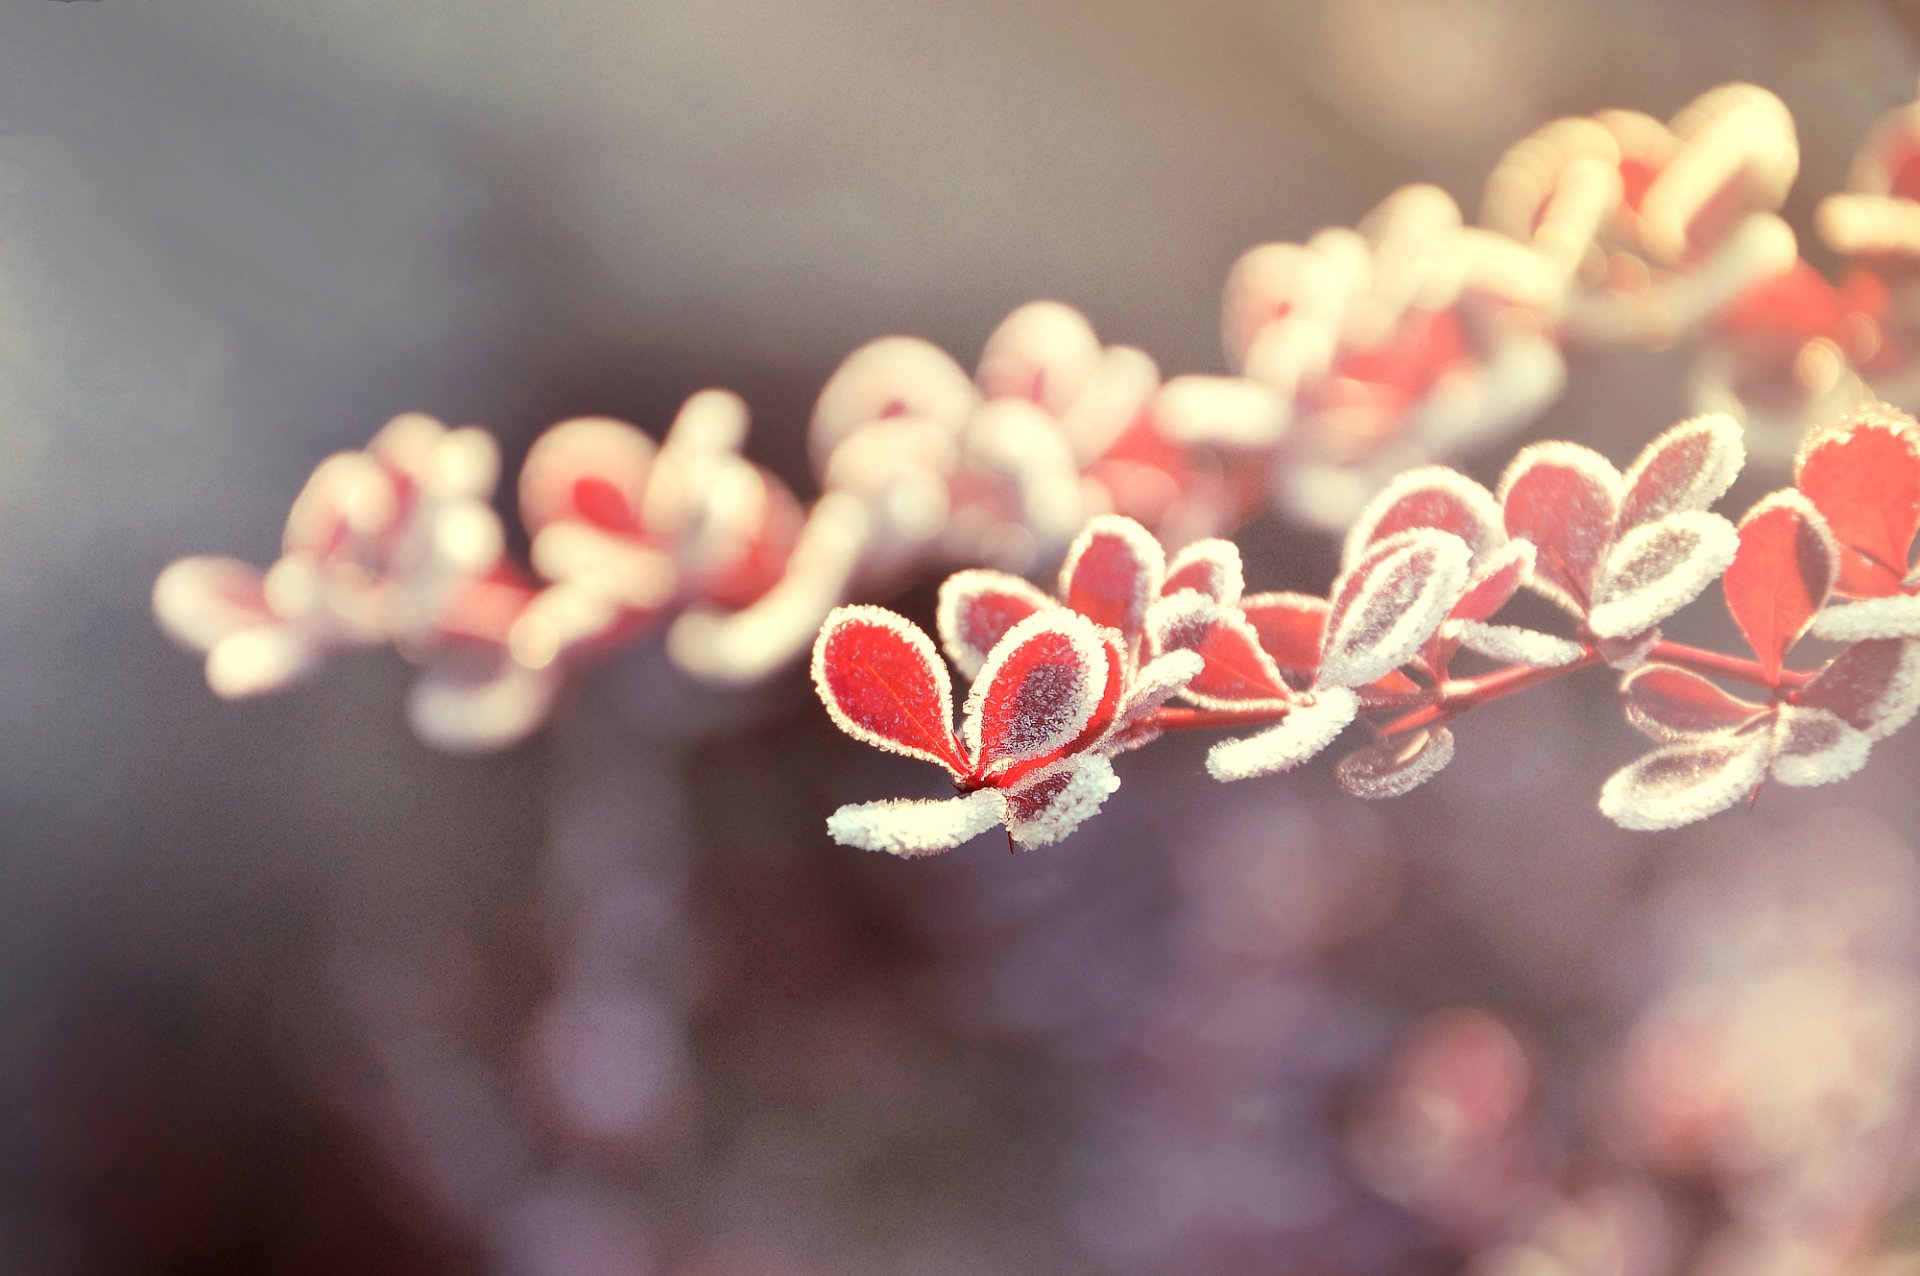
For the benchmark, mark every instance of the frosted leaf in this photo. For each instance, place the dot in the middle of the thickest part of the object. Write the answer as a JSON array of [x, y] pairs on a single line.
[[1112, 573], [1053, 801], [1433, 496], [1389, 603], [1235, 670], [1782, 575], [1658, 568], [1512, 644], [1310, 726], [1685, 782], [1863, 474], [1290, 627], [1670, 703], [587, 470], [479, 702], [1812, 747], [1874, 685], [1565, 499], [976, 609], [916, 826], [1230, 412], [1210, 567], [1687, 468], [1393, 767], [1045, 353], [1496, 578], [1037, 692], [1157, 682], [260, 660], [1897, 616], [201, 600], [883, 683], [890, 377]]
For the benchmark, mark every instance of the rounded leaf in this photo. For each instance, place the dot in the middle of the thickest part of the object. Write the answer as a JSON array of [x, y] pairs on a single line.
[[1875, 686], [1113, 573], [1658, 568], [883, 683], [1670, 703], [1393, 767], [1234, 668], [1311, 724], [1687, 468], [1685, 781], [1037, 693], [913, 827], [1290, 628], [976, 609], [1210, 567], [1565, 499], [1432, 496], [1781, 575], [1813, 747], [1863, 474], [1389, 603], [1051, 802]]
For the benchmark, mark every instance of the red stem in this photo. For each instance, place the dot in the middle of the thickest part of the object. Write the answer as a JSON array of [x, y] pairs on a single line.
[[1713, 662], [1466, 694], [1471, 693]]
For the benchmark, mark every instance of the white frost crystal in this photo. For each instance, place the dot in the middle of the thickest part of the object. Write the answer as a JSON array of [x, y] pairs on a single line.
[[1309, 727]]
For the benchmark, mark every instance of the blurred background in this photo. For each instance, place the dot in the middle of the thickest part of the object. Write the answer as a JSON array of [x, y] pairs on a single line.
[[283, 991]]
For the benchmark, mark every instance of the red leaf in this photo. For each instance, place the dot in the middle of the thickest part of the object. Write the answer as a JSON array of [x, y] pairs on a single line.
[[1112, 573], [1495, 581], [883, 683], [1393, 767], [1670, 703], [1873, 685], [1781, 575], [1036, 694], [1863, 474], [1688, 468], [1436, 497], [1210, 567], [1289, 627], [1389, 603], [1563, 498], [976, 609], [1236, 669]]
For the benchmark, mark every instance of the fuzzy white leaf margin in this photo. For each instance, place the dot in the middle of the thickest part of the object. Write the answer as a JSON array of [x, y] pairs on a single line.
[[960, 589], [1310, 726], [1394, 767], [1035, 739], [1159, 680], [1396, 608], [1218, 560], [913, 827], [1513, 644], [1476, 500], [1685, 782], [1657, 568], [1894, 617], [1813, 747], [1085, 782], [1723, 449]]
